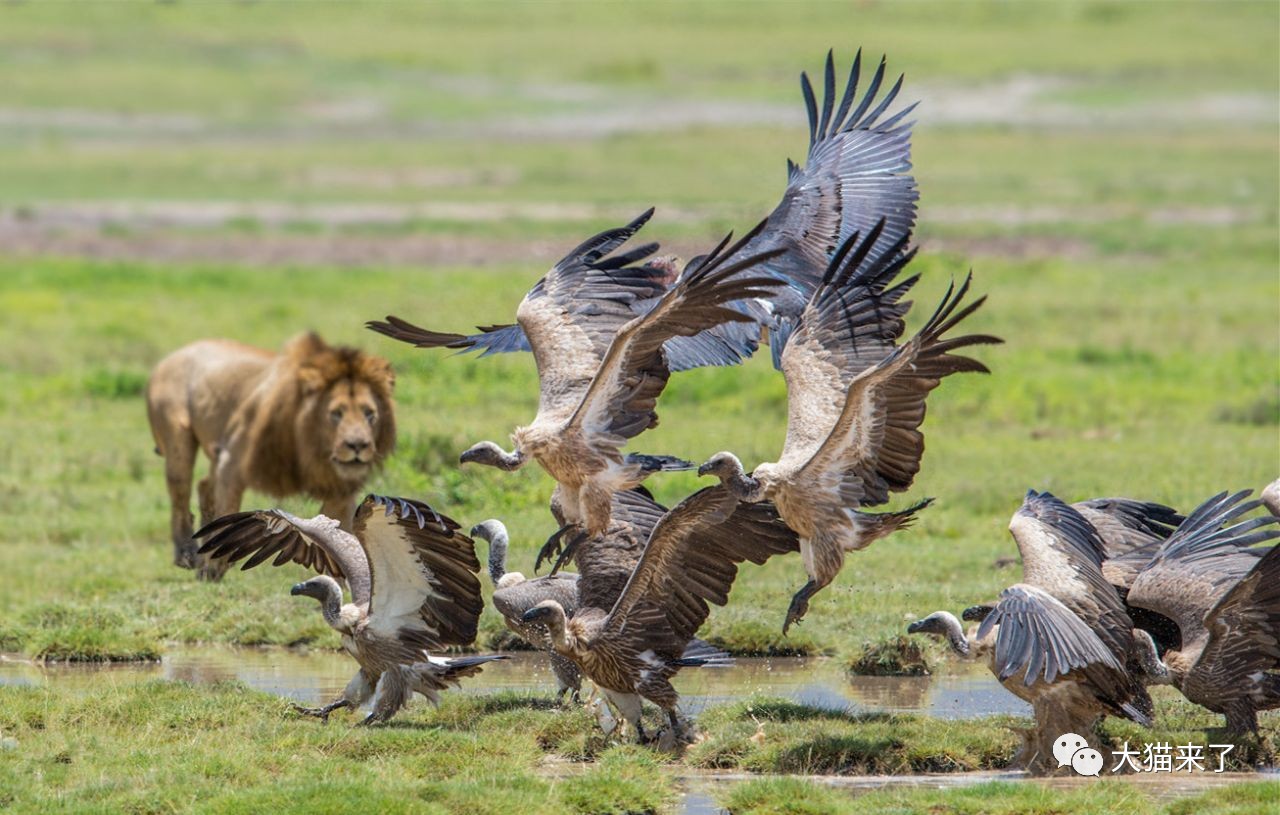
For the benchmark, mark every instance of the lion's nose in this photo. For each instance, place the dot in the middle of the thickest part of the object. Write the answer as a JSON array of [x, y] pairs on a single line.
[[357, 446]]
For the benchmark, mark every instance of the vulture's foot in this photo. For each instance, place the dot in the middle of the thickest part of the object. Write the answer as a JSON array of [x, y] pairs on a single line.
[[551, 549], [568, 698], [322, 713], [567, 554], [799, 606]]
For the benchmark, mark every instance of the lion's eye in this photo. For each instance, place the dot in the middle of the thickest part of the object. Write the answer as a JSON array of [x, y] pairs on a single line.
[[370, 416], [335, 415]]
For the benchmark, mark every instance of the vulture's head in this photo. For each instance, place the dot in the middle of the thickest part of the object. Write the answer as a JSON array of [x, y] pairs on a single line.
[[546, 612], [485, 452], [322, 588], [942, 624], [490, 531], [723, 465]]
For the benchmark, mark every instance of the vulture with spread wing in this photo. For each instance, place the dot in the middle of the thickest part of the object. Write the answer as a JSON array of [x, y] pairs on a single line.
[[600, 370], [413, 586], [1060, 639], [689, 561], [514, 594], [857, 172], [854, 407], [1223, 591]]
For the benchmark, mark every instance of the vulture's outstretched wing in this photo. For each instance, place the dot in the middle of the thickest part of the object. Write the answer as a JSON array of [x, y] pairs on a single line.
[[621, 401], [852, 322], [692, 558], [314, 543], [857, 174], [1244, 634], [1040, 638], [1203, 558], [1131, 533], [876, 445], [425, 592]]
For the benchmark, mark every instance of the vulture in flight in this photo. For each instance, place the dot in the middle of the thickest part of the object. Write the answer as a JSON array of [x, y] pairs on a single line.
[[513, 595], [857, 172], [690, 560], [413, 586], [600, 370], [855, 402], [1060, 639], [1223, 592]]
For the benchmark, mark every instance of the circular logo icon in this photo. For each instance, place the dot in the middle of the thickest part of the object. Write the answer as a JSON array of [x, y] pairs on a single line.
[[1087, 761], [1065, 747]]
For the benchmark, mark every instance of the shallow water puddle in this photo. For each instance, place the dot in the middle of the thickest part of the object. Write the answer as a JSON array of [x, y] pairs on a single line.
[[312, 677]]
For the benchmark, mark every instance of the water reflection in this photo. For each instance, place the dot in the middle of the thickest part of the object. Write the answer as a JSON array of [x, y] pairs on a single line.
[[312, 677]]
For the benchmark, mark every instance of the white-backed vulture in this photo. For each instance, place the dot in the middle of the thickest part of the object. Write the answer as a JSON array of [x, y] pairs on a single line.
[[600, 370], [1062, 554], [1223, 591], [857, 172], [690, 560], [854, 408], [513, 595], [1043, 653], [413, 586], [1271, 497]]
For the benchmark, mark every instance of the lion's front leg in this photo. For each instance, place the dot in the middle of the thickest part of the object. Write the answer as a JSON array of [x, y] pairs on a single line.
[[342, 510], [228, 490]]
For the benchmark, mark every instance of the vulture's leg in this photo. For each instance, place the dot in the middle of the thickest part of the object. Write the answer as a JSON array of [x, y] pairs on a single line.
[[391, 694], [800, 604], [322, 713], [1242, 720], [551, 548]]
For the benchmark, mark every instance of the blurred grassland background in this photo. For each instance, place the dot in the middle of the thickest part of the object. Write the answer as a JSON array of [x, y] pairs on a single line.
[[182, 170]]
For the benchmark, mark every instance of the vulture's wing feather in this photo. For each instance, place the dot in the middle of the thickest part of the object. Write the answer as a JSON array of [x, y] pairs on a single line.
[[315, 543], [1203, 558], [852, 322], [1040, 639], [1244, 633], [857, 174], [621, 400], [876, 445], [492, 339], [572, 314], [1131, 533], [692, 558], [425, 592]]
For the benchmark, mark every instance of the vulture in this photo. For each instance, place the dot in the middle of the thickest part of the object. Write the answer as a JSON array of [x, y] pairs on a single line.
[[857, 172], [690, 560], [600, 370], [1044, 654], [1061, 639], [1223, 592], [855, 402], [413, 586], [1271, 497], [513, 595]]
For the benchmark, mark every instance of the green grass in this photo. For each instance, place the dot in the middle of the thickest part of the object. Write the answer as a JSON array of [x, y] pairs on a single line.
[[791, 796]]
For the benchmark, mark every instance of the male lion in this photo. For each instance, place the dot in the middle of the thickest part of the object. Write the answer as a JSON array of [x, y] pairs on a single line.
[[315, 419]]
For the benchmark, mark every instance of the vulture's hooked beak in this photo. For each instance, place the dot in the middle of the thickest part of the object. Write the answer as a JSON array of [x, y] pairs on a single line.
[[298, 588], [705, 469], [916, 627]]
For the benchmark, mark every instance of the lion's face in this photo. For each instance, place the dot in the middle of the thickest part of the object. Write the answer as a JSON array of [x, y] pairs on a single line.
[[352, 412], [346, 421]]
